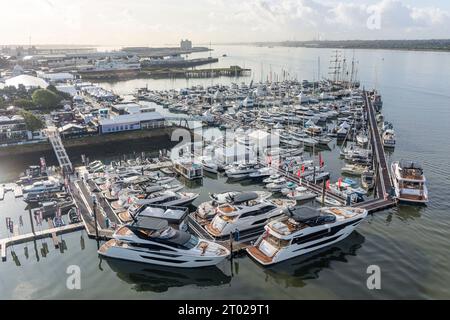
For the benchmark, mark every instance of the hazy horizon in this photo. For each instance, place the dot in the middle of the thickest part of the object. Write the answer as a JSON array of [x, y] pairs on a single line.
[[156, 22]]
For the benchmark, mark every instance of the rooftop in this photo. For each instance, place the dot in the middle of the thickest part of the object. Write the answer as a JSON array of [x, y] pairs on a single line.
[[132, 118]]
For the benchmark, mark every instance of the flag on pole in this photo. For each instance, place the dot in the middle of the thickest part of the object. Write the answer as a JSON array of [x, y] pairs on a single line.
[[303, 168], [328, 184], [299, 173], [339, 182]]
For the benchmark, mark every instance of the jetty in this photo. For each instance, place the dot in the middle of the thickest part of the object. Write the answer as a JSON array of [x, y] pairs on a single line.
[[383, 185], [49, 233], [232, 71]]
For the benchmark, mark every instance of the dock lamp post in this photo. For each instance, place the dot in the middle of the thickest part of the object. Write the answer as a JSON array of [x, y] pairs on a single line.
[[94, 201]]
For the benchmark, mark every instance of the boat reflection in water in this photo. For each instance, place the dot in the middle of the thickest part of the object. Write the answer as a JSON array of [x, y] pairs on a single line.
[[294, 272], [154, 278]]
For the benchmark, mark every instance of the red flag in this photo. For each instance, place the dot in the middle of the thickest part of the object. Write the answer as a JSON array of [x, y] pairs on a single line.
[[299, 173], [303, 168], [328, 184], [339, 182]]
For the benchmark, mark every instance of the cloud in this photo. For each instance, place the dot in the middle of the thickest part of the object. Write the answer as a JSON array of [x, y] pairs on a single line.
[[161, 21]]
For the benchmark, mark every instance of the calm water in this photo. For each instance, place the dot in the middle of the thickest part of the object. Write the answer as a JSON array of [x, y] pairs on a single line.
[[409, 244]]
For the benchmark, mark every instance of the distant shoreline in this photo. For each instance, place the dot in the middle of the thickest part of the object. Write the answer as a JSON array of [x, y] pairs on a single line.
[[432, 45]]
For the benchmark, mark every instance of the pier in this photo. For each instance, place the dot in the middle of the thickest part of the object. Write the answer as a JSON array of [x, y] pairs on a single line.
[[49, 233], [232, 71], [383, 178]]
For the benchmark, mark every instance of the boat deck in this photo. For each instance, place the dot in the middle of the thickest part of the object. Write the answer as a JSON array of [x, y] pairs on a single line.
[[255, 252]]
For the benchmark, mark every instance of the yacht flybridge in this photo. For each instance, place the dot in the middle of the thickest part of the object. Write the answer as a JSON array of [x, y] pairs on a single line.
[[248, 219], [302, 230], [151, 240], [409, 182], [239, 196]]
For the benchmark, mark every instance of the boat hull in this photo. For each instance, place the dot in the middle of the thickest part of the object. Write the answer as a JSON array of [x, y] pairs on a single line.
[[161, 258]]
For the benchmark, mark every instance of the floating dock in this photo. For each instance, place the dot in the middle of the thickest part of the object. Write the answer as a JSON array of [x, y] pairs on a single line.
[[232, 71], [383, 178], [49, 233]]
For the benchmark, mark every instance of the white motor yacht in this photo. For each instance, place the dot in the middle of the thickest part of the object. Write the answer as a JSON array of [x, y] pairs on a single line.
[[409, 182], [50, 185], [248, 219], [303, 230], [151, 240], [388, 138]]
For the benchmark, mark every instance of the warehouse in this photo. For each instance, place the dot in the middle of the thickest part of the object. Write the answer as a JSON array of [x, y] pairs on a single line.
[[129, 122]]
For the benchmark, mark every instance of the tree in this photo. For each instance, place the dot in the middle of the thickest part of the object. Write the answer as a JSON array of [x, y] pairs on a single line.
[[32, 122], [24, 104], [46, 99], [61, 94]]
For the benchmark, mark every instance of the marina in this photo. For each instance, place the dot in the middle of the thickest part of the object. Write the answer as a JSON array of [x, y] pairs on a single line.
[[313, 155], [101, 217]]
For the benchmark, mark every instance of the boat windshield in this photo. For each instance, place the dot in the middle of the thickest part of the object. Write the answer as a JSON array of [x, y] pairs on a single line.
[[192, 242], [277, 242]]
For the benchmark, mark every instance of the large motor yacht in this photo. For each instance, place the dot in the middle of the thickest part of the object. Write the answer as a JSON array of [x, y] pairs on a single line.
[[248, 220], [302, 230], [409, 182], [39, 187], [152, 240]]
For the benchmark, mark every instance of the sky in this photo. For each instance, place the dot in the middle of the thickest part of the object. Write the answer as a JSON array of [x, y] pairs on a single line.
[[158, 22]]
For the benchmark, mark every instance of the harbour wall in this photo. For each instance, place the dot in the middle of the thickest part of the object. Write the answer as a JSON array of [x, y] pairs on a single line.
[[121, 142]]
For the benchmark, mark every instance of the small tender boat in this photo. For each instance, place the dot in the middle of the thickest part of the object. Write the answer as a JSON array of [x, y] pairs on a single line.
[[353, 169], [73, 216], [277, 185], [272, 178], [328, 201], [58, 222], [301, 194], [368, 179]]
